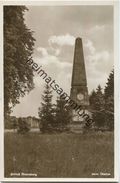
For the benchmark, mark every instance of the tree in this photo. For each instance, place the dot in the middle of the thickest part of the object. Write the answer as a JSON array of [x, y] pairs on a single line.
[[92, 99], [97, 105], [109, 101], [97, 99], [45, 112], [99, 102], [18, 48], [109, 88], [11, 122], [102, 104], [23, 126], [62, 114]]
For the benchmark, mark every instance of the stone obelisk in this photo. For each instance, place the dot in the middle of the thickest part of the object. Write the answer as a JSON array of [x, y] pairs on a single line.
[[79, 91]]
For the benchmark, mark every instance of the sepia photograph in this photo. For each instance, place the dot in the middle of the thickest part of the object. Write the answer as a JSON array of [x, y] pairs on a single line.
[[59, 90]]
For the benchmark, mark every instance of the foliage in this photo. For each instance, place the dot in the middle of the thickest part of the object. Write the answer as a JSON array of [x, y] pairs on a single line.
[[109, 101], [62, 115], [97, 105], [11, 122], [45, 112], [18, 48], [99, 102], [109, 88], [23, 126], [53, 118], [102, 104], [92, 99]]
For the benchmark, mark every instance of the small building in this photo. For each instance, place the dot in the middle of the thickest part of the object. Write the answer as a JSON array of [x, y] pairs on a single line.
[[33, 122]]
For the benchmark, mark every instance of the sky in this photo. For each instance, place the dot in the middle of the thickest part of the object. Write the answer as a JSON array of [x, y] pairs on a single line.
[[55, 30]]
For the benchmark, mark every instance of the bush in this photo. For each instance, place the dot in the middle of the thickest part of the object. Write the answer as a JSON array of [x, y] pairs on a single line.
[[99, 118], [23, 126]]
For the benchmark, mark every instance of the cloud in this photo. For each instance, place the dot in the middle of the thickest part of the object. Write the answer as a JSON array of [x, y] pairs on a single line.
[[97, 28], [95, 56], [99, 63], [42, 50], [62, 40], [100, 56], [53, 65], [90, 46], [54, 51]]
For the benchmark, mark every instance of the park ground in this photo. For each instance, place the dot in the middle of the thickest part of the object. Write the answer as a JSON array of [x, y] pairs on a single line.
[[60, 155]]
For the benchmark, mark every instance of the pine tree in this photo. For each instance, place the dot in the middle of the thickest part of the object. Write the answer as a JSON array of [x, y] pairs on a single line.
[[92, 99], [18, 48], [109, 88], [99, 102], [62, 117], [97, 99], [45, 112], [102, 105], [97, 105], [109, 101]]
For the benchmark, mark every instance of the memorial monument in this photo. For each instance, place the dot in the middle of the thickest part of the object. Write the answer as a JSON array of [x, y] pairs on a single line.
[[79, 91]]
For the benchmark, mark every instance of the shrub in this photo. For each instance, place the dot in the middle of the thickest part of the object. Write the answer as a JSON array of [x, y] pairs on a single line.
[[23, 126]]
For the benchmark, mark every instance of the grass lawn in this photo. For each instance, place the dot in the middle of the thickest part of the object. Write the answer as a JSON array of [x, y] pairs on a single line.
[[60, 155]]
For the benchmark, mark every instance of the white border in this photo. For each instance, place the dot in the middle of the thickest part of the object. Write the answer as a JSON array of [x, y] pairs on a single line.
[[1, 96], [116, 66]]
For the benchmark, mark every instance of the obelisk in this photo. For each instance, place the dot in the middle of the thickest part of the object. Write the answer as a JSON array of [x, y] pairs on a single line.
[[79, 91]]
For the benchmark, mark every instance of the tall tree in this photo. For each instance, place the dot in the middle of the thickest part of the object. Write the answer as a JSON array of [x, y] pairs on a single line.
[[102, 105], [97, 105], [62, 114], [109, 88], [97, 99], [18, 48], [109, 101], [92, 99], [45, 112]]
